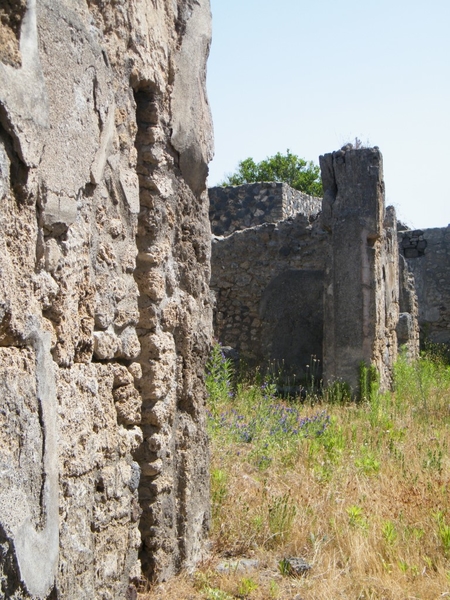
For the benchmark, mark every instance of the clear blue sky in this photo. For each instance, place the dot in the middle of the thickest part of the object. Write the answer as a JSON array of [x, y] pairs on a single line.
[[310, 76]]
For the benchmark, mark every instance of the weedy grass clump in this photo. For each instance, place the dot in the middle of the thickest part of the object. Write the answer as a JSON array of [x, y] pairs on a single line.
[[359, 490]]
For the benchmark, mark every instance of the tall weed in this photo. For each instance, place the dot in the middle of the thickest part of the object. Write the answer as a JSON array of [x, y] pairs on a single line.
[[219, 375]]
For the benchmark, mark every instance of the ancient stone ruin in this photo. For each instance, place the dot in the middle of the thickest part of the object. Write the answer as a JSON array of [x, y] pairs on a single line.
[[105, 316], [318, 288], [105, 307], [427, 254]]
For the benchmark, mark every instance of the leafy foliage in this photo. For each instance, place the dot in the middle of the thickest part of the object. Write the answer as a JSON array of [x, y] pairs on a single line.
[[287, 168]]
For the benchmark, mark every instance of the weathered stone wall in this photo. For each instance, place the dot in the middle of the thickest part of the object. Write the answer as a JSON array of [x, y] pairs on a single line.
[[104, 265], [427, 254], [268, 282], [408, 331], [234, 208], [362, 279], [330, 286]]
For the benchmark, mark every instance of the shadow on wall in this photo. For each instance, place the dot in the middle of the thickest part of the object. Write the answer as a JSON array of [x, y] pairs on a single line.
[[291, 312]]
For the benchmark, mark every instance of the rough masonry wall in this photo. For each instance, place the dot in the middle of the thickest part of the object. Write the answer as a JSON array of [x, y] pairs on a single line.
[[104, 264], [361, 281], [330, 285], [408, 330], [268, 283], [234, 208], [427, 254]]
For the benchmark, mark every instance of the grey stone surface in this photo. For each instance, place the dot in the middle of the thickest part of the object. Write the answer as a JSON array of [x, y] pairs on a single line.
[[291, 313], [234, 208], [242, 565], [427, 254], [361, 297], [29, 464], [189, 107], [268, 286], [105, 317], [296, 565], [314, 289], [408, 332]]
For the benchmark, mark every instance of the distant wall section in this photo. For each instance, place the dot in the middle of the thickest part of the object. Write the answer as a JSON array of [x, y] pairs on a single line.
[[268, 282], [328, 284], [234, 208], [427, 254]]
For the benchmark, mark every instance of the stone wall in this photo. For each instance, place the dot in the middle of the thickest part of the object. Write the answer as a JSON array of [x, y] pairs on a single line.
[[427, 254], [268, 283], [104, 308], [234, 208], [408, 331], [361, 300], [329, 287]]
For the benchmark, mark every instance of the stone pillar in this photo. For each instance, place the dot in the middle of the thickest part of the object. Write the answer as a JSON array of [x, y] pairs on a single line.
[[361, 279]]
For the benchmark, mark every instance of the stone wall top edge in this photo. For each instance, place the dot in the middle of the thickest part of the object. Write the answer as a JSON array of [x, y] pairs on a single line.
[[425, 231], [265, 184], [246, 231], [274, 226], [272, 184]]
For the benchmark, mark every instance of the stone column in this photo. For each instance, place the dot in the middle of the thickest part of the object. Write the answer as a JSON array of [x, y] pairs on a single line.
[[360, 319]]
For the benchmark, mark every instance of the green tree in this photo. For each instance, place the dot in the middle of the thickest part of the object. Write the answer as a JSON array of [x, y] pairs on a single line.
[[288, 168]]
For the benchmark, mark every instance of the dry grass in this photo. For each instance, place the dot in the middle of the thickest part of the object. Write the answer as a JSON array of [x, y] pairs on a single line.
[[361, 493]]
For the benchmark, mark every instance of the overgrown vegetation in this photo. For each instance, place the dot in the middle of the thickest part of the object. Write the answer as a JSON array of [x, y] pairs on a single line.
[[288, 168], [358, 490]]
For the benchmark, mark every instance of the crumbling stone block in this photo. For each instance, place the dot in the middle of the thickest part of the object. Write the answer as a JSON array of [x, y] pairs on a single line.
[[361, 278]]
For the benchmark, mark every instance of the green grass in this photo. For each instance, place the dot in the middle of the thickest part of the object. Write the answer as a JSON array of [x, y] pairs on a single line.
[[360, 490]]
